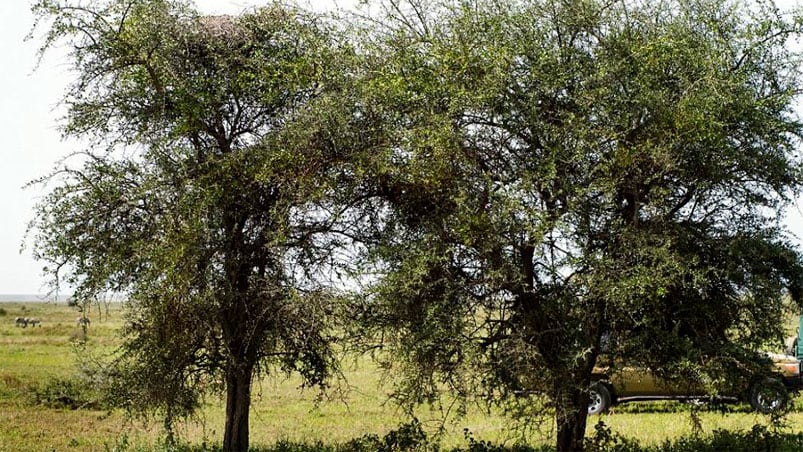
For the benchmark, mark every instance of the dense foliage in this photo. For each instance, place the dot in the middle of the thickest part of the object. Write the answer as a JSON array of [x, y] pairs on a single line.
[[203, 195], [521, 185], [567, 171]]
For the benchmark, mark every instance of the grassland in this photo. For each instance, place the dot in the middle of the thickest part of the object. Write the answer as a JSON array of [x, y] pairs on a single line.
[[42, 360]]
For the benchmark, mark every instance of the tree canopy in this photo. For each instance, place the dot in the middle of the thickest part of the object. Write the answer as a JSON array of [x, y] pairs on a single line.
[[512, 182], [204, 195], [563, 171]]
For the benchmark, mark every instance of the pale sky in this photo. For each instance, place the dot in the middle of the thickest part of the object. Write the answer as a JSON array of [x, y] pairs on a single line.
[[31, 143]]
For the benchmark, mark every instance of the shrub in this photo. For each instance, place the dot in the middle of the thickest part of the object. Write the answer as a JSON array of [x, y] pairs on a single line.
[[408, 437], [758, 439], [69, 393]]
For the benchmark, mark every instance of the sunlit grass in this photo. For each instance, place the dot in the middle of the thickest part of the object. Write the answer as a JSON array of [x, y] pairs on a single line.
[[281, 410]]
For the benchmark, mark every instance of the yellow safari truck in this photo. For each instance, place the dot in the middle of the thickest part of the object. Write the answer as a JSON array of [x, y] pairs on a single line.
[[765, 394]]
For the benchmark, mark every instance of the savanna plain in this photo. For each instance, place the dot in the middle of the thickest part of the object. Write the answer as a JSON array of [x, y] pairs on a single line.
[[46, 405]]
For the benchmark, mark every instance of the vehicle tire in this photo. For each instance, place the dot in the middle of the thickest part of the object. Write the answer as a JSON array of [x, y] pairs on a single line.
[[768, 395], [599, 398]]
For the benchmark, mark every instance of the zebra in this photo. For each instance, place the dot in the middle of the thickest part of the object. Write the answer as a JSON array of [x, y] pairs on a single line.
[[82, 322]]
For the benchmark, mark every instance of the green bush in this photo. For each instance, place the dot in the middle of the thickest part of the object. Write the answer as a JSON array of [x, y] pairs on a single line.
[[758, 439], [408, 437], [69, 393], [411, 438]]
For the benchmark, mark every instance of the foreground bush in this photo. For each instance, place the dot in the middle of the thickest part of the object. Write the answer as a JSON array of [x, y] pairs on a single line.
[[65, 393], [411, 438], [758, 439]]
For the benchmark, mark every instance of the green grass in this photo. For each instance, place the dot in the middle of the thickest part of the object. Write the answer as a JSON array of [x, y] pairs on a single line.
[[38, 385]]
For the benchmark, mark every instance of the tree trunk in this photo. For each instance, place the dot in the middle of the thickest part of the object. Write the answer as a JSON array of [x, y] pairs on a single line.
[[238, 406], [571, 414]]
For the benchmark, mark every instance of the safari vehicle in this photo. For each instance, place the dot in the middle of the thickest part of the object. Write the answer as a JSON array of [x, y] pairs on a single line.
[[765, 394]]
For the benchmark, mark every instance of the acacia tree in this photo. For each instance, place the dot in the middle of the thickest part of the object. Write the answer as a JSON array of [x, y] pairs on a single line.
[[205, 195], [564, 170]]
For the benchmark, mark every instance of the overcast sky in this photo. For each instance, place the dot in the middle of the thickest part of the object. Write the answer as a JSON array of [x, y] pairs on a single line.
[[31, 144]]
